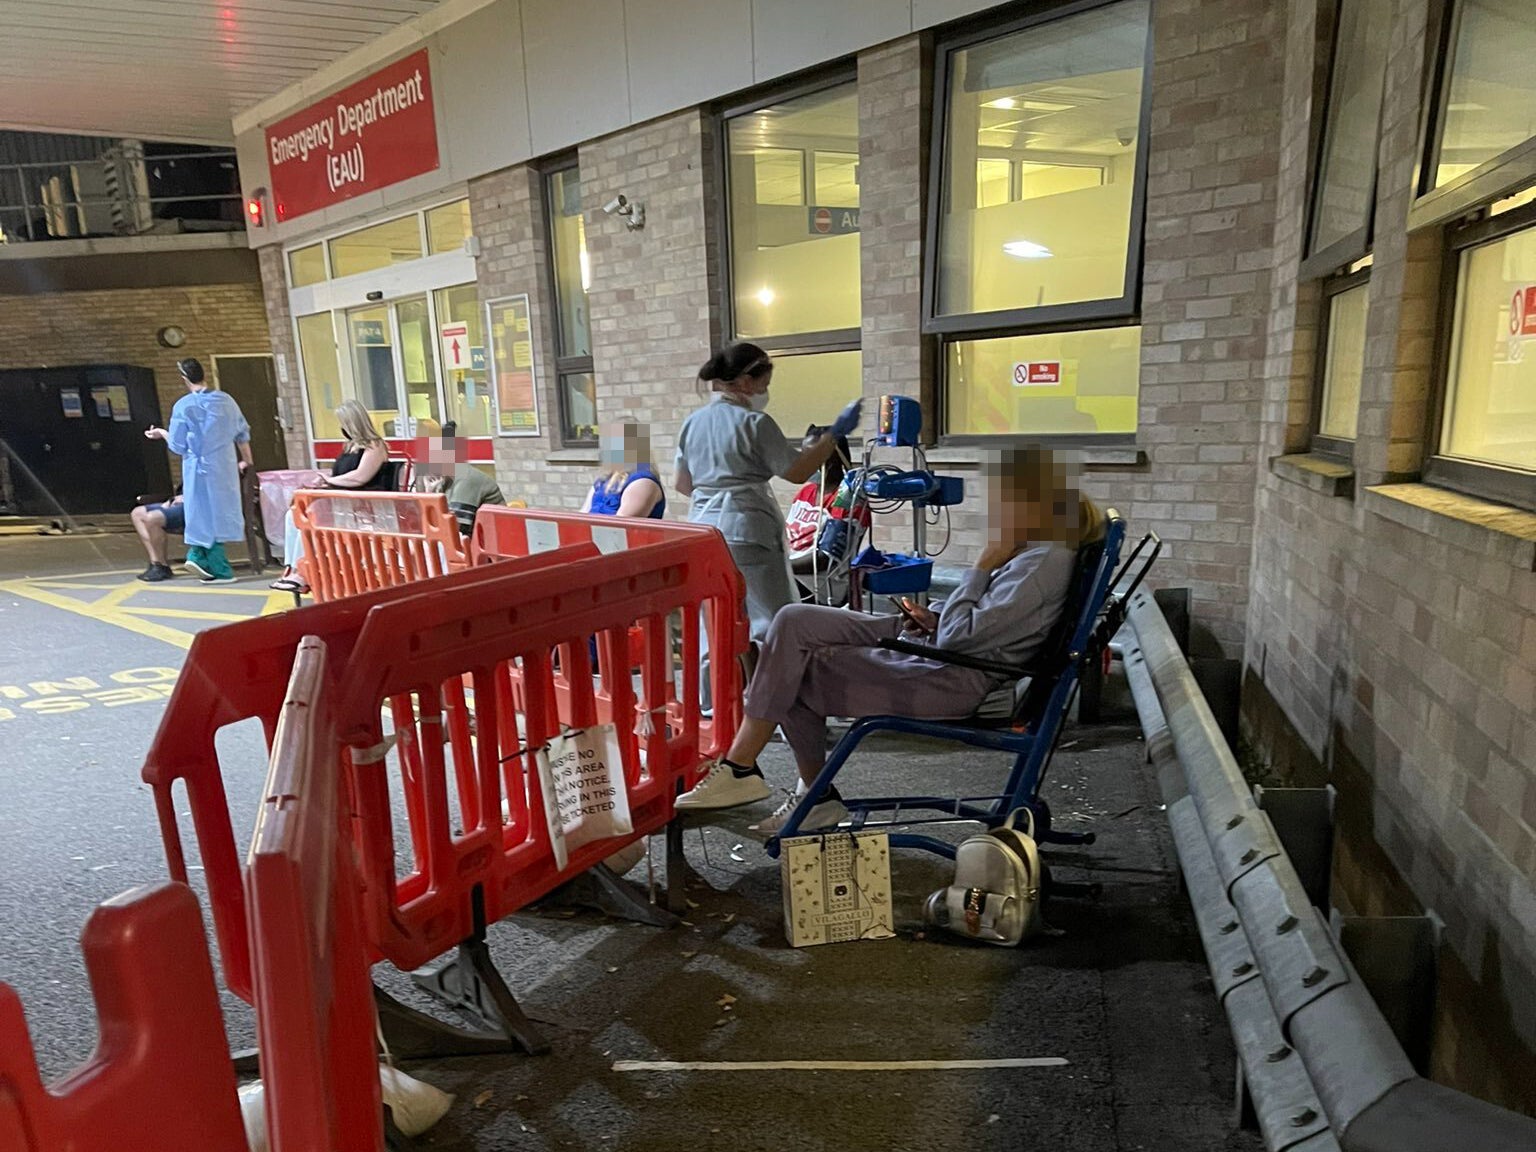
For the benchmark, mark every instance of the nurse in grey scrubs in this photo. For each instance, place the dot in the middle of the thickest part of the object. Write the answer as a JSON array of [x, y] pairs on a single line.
[[727, 453]]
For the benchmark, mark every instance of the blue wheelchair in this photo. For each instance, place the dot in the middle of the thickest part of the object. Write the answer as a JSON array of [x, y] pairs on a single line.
[[1042, 696]]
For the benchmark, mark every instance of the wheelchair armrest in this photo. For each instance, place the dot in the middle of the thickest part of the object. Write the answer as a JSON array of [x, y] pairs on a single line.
[[959, 659]]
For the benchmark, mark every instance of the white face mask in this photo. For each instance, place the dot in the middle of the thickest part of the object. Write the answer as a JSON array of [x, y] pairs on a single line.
[[758, 401]]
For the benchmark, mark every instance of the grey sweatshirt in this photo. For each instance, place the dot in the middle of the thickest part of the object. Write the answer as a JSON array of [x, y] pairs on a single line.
[[1006, 615]]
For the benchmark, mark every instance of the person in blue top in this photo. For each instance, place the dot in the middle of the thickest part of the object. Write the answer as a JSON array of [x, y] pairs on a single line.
[[628, 484], [211, 436]]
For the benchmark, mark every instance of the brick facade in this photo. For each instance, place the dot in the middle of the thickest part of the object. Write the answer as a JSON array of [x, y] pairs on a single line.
[[120, 326], [1390, 648]]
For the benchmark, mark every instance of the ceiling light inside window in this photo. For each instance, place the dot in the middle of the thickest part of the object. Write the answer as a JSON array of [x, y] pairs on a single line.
[[1026, 250], [765, 296], [1006, 103]]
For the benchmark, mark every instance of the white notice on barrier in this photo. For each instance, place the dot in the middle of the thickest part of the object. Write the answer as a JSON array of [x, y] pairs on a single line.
[[582, 777], [543, 536], [610, 540]]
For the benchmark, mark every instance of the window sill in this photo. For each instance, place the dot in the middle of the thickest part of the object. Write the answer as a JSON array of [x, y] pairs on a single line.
[[1089, 457], [573, 456], [1319, 473], [1477, 525]]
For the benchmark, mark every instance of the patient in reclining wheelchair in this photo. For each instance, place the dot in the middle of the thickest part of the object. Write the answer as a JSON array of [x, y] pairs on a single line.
[[818, 661]]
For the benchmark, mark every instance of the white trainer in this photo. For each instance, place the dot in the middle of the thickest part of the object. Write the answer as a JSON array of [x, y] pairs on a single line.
[[827, 814], [722, 788]]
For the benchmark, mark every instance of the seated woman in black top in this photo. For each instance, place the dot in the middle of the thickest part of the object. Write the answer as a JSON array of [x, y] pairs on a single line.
[[360, 467]]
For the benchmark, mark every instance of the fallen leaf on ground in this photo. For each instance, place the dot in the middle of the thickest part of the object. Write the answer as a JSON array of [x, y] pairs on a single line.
[[720, 1023], [689, 955], [726, 1000], [482, 1098], [612, 969]]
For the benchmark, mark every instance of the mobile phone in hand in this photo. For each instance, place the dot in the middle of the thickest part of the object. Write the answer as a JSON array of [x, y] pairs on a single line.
[[904, 606]]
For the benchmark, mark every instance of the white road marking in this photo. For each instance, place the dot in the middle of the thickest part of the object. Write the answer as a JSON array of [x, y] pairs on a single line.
[[833, 1065]]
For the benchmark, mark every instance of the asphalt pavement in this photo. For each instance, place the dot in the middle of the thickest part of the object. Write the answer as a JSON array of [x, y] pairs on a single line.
[[1117, 1011]]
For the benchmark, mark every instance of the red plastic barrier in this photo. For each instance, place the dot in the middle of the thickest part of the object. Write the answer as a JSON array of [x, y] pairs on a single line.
[[357, 542], [314, 999], [237, 672], [507, 533], [161, 1076], [415, 654]]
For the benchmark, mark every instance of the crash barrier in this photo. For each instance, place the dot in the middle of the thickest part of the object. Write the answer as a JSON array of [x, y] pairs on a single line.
[[315, 1014], [506, 533], [1040, 697], [423, 679], [1322, 1066], [160, 1076], [357, 541]]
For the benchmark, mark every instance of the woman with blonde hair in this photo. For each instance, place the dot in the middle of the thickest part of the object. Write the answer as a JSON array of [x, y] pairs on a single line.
[[819, 662], [359, 466], [628, 484]]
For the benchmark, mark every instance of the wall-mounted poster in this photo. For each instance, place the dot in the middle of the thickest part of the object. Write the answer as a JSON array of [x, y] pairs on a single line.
[[514, 382]]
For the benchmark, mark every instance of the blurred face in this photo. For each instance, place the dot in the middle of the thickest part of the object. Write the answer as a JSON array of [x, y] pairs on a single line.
[[434, 456], [1014, 516], [621, 446]]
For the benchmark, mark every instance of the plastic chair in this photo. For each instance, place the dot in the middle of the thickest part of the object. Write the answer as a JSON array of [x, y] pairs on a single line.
[[1042, 696]]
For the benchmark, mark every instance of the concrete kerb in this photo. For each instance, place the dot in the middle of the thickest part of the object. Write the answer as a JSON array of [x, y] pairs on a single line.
[[1355, 1081]]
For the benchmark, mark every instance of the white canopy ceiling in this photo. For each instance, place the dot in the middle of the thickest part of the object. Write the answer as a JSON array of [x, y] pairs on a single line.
[[174, 70]]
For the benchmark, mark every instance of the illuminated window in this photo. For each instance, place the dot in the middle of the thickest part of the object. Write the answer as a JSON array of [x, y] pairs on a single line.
[[1346, 180], [571, 274], [1038, 230], [1489, 88], [306, 265], [1052, 384], [368, 249], [1347, 302], [1490, 404], [447, 227], [467, 381], [322, 373], [812, 389]]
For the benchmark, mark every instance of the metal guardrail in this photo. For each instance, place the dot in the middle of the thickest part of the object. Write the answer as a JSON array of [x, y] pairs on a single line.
[[1320, 1062]]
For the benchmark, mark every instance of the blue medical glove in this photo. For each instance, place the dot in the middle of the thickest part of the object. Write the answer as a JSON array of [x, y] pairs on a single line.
[[848, 419]]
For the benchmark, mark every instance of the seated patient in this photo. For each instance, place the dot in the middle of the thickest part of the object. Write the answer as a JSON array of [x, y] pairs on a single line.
[[818, 662]]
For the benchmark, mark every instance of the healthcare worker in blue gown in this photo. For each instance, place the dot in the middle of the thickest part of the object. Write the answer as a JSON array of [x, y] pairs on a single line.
[[211, 436], [727, 452]]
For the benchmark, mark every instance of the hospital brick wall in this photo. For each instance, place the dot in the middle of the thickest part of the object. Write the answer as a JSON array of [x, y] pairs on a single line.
[[1391, 646], [120, 326]]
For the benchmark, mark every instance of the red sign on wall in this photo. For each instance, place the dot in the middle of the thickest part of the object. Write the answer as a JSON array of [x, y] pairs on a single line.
[[371, 134], [1522, 311], [1030, 372]]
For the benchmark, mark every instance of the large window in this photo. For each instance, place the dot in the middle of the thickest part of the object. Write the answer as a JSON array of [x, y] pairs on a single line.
[[378, 246], [1038, 231], [1346, 174], [1488, 420], [467, 387], [793, 214], [444, 228], [322, 373], [1346, 302], [571, 275], [1482, 136]]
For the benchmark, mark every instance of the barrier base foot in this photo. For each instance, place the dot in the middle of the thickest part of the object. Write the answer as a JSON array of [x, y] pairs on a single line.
[[678, 869], [599, 888], [469, 982], [413, 1035]]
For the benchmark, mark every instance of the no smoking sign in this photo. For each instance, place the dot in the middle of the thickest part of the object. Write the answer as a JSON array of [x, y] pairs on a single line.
[[1036, 373]]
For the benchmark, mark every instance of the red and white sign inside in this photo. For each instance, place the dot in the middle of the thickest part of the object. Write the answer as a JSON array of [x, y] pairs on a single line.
[[1036, 372], [371, 134], [1522, 312], [456, 346]]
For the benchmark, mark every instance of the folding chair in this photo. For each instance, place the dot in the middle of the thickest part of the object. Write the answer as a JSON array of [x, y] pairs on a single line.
[[1042, 695]]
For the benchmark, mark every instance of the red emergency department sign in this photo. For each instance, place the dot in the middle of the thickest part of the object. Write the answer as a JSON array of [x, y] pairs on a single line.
[[371, 134], [1522, 312]]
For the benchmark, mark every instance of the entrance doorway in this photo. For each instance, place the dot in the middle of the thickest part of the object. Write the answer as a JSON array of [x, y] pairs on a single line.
[[252, 383]]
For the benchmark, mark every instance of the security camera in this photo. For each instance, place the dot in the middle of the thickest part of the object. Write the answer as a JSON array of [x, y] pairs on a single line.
[[1125, 136], [617, 204]]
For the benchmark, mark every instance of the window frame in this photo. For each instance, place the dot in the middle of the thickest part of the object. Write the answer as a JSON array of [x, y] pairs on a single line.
[[1496, 482], [564, 365], [1323, 262], [1122, 311], [1335, 447], [1499, 176], [802, 343]]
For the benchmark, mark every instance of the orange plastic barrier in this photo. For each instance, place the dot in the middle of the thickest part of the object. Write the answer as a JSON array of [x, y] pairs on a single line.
[[237, 672], [414, 657], [507, 533], [357, 542], [161, 1076], [314, 999]]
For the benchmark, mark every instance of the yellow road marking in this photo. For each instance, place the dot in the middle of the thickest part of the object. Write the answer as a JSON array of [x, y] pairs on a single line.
[[149, 628], [196, 589], [182, 613], [66, 584]]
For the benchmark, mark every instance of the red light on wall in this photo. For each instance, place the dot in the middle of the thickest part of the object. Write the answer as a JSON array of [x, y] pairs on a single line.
[[255, 209]]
